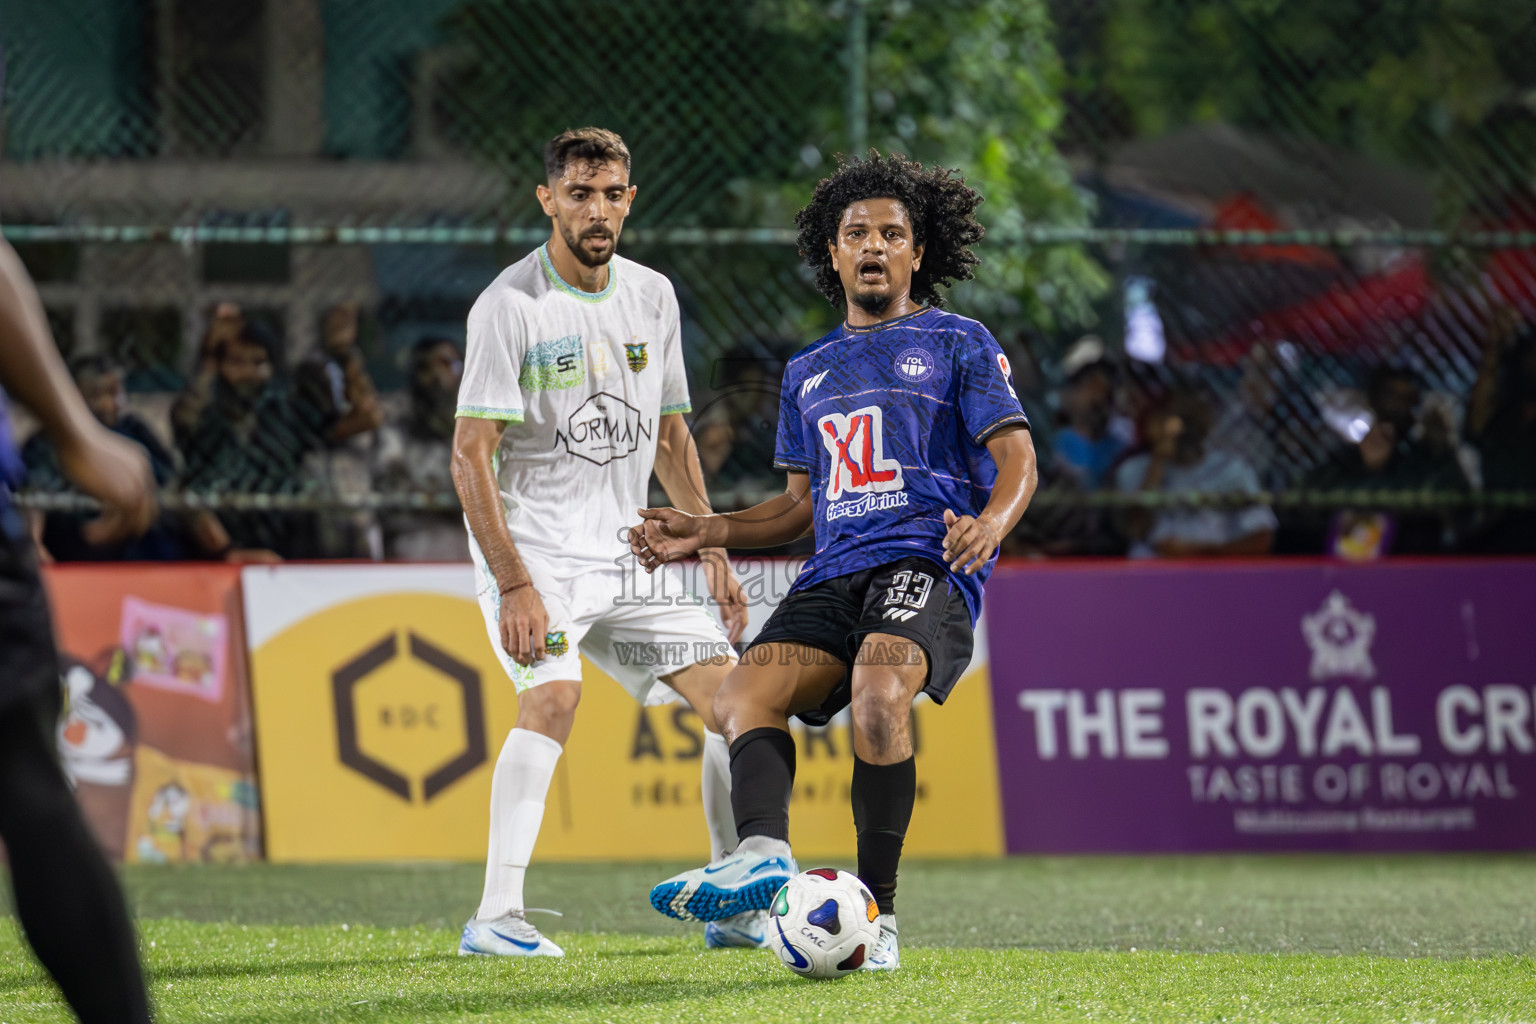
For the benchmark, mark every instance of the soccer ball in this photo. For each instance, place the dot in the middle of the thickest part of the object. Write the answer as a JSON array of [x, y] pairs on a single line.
[[823, 923]]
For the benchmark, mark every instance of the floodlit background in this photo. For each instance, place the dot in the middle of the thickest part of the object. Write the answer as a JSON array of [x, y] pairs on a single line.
[[1306, 229], [288, 156]]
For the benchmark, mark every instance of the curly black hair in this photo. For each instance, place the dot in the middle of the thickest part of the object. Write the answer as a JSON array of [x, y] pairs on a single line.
[[942, 208]]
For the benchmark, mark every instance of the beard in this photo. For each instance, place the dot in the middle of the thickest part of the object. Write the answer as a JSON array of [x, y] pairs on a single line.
[[586, 259], [873, 303]]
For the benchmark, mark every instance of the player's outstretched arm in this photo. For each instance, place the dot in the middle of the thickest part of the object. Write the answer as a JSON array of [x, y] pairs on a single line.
[[682, 477], [109, 468], [668, 534], [524, 621], [971, 540]]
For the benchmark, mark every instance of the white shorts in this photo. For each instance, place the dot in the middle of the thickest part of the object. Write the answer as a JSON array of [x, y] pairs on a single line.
[[637, 642]]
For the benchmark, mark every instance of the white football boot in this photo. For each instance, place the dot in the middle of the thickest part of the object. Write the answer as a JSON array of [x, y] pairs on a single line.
[[884, 956], [508, 935], [744, 931], [745, 880]]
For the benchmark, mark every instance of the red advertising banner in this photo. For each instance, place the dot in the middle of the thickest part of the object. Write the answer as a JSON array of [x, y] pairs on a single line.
[[157, 731]]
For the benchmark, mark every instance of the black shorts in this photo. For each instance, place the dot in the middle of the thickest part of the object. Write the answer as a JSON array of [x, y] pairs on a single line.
[[911, 598], [29, 663]]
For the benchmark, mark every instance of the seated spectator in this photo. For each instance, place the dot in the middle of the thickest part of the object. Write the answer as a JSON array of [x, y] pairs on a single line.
[[242, 431], [412, 456], [71, 536], [1388, 458], [1178, 461], [1091, 438], [1501, 424]]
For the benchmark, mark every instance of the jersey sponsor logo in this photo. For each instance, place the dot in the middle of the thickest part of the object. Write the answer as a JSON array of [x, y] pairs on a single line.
[[812, 383], [553, 365], [856, 443], [1002, 364], [914, 365], [634, 354], [604, 428], [856, 507]]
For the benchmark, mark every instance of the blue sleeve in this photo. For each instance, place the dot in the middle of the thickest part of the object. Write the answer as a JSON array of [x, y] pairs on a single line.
[[987, 399], [789, 452]]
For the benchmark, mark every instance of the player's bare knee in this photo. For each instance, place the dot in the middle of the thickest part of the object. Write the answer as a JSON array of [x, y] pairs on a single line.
[[549, 709], [747, 699], [882, 710], [731, 702]]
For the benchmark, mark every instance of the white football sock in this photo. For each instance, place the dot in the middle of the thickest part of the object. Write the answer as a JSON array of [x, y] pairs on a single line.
[[765, 847], [518, 787], [715, 778]]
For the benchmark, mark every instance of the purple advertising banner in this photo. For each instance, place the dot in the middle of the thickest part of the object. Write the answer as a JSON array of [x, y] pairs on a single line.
[[1145, 708]]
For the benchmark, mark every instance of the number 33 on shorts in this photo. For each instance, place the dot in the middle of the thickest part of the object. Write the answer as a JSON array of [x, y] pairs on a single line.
[[908, 593]]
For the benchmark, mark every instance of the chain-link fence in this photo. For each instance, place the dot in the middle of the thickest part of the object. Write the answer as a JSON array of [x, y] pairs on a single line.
[[1286, 257]]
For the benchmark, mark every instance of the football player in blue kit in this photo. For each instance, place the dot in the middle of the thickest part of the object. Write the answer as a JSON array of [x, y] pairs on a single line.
[[909, 457]]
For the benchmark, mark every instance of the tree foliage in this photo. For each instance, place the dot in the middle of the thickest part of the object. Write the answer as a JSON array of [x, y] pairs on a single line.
[[733, 111], [1445, 85]]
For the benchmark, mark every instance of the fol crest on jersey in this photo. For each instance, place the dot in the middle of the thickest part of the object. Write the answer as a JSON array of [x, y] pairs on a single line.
[[635, 353], [856, 443], [555, 644], [553, 365], [915, 365], [604, 428]]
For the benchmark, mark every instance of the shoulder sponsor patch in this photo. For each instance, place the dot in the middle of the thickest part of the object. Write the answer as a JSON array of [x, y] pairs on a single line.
[[553, 365]]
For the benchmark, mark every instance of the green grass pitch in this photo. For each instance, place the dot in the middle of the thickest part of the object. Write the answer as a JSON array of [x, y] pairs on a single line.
[[1261, 939]]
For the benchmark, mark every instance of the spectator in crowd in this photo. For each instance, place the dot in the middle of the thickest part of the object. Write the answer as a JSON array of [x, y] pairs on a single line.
[[412, 456], [1268, 419], [1029, 384], [1092, 438], [735, 429], [1178, 460], [1501, 424], [334, 380], [72, 536], [241, 430], [1392, 456]]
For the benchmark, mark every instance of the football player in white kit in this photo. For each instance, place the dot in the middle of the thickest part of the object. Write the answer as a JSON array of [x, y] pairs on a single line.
[[573, 390]]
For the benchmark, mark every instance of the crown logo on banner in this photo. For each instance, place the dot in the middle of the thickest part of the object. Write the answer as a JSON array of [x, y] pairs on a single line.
[[1340, 637]]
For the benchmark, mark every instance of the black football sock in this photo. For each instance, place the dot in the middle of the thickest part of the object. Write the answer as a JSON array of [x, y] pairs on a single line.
[[762, 777], [883, 796]]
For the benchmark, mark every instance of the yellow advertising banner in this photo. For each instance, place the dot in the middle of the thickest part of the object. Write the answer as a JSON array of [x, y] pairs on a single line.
[[380, 709]]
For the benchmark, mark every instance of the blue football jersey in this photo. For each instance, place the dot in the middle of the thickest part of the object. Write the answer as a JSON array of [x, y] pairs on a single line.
[[12, 471], [890, 422]]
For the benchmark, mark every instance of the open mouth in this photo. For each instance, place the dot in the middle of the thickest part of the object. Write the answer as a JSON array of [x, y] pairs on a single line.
[[871, 270]]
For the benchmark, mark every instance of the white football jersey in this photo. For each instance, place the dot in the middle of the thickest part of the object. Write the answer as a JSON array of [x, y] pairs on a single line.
[[582, 380]]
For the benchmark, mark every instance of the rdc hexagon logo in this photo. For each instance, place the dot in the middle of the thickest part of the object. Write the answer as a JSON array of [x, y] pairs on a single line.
[[413, 723]]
